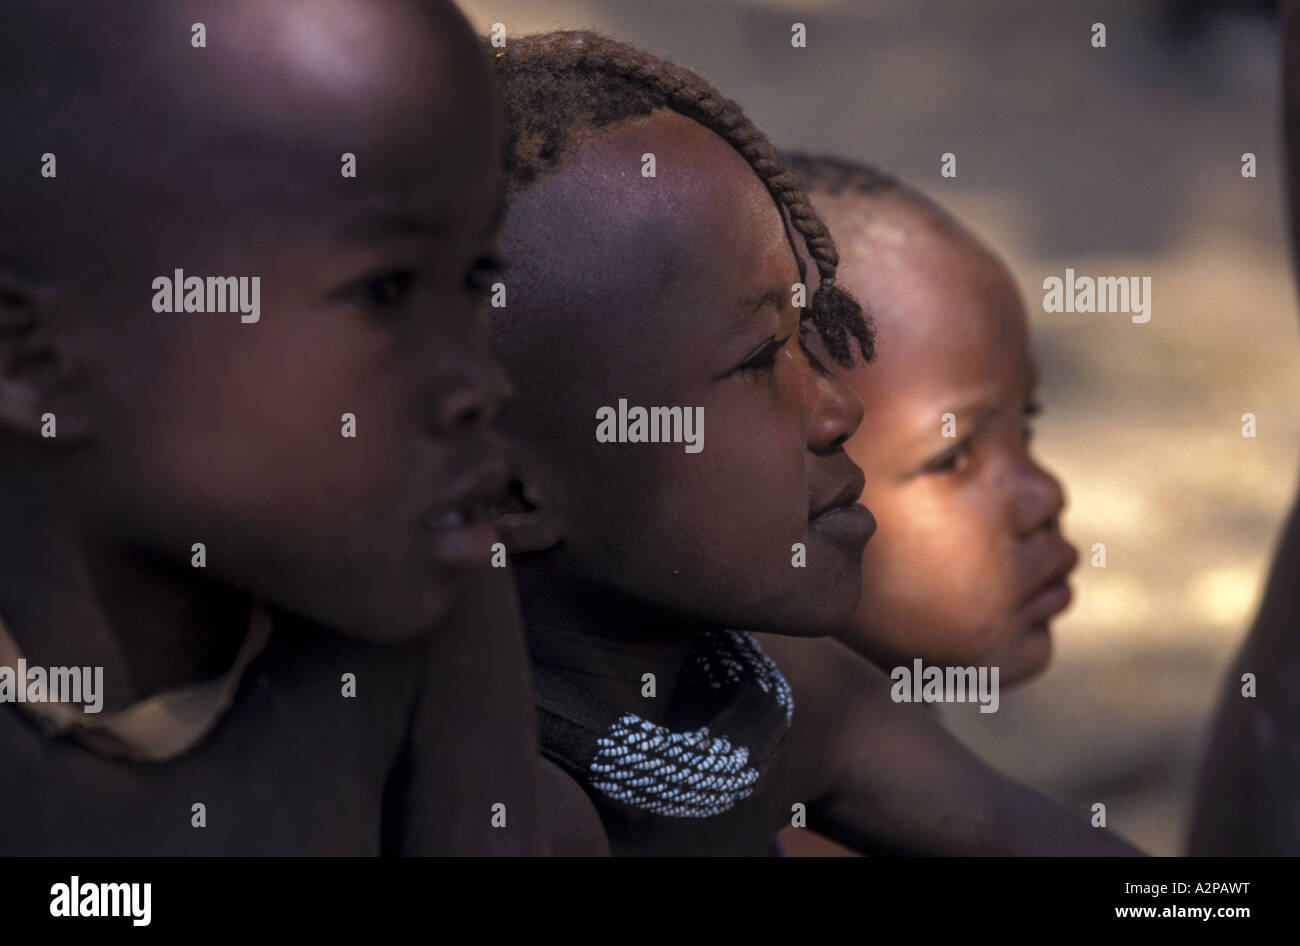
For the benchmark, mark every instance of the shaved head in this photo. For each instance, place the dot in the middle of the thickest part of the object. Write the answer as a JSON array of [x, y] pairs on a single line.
[[134, 112]]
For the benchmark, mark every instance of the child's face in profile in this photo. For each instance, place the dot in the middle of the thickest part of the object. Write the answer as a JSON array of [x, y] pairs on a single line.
[[676, 291], [208, 430], [970, 565]]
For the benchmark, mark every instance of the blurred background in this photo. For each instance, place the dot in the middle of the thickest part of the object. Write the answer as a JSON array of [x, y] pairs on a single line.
[[1122, 160]]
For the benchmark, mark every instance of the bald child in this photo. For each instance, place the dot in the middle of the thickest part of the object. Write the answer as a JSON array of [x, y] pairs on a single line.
[[244, 465], [946, 445]]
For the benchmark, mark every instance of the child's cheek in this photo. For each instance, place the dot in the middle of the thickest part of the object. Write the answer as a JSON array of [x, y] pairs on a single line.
[[945, 523]]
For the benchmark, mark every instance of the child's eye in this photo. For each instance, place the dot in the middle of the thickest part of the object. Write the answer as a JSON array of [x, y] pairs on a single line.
[[1032, 410], [383, 292], [953, 460], [484, 273], [762, 359]]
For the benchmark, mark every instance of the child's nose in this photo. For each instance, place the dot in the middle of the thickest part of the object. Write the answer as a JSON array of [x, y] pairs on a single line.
[[475, 396], [836, 412], [1041, 498]]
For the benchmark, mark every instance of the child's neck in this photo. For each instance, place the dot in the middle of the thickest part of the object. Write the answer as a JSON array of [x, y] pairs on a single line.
[[604, 645], [68, 600]]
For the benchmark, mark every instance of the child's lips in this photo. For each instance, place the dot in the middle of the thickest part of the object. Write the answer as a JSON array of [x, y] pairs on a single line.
[[1051, 598], [842, 519], [458, 518], [847, 494], [462, 536], [850, 525], [1052, 595], [461, 527]]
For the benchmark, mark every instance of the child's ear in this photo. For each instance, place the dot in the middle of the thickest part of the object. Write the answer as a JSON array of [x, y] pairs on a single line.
[[33, 375], [526, 521]]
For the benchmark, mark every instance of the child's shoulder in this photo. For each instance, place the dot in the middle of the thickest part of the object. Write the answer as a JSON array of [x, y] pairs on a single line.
[[467, 782], [313, 731], [827, 678], [838, 710]]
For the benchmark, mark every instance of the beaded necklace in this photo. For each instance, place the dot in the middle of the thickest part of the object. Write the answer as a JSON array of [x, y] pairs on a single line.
[[694, 773]]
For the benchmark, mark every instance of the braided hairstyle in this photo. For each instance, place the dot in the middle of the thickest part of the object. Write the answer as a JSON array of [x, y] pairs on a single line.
[[561, 88]]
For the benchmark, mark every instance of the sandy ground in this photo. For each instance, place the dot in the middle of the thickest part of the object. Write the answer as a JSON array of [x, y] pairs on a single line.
[[1123, 160]]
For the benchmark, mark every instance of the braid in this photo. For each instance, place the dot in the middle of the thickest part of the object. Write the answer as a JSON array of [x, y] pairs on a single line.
[[560, 87]]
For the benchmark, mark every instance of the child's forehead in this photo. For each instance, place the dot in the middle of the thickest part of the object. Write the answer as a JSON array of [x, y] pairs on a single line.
[[353, 78], [651, 274], [668, 162], [886, 221], [944, 359], [891, 236], [945, 307], [243, 52], [181, 145], [349, 74], [921, 300], [702, 221]]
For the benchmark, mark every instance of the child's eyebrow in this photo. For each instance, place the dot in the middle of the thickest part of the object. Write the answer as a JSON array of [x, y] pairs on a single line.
[[971, 418], [377, 226], [979, 418], [747, 305], [773, 296]]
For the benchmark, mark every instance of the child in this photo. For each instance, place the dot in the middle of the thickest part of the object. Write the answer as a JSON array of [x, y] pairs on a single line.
[[970, 565], [199, 477], [967, 493], [654, 231]]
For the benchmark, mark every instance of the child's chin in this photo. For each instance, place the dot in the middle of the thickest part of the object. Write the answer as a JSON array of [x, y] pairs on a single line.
[[1031, 657], [824, 620], [396, 618]]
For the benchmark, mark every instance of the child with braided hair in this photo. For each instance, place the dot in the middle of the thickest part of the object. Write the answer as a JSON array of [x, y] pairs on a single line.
[[654, 237]]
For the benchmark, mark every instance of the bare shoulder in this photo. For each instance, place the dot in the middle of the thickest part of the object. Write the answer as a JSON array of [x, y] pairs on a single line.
[[471, 741], [828, 679], [899, 782], [837, 699], [569, 817]]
